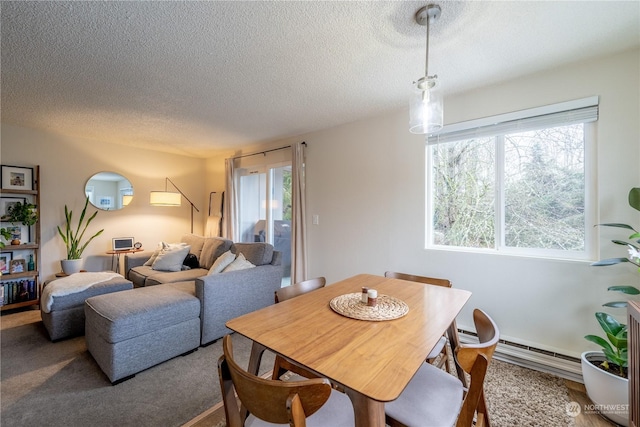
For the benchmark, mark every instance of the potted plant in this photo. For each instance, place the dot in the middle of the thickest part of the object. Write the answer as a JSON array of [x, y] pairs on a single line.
[[605, 373], [73, 239], [21, 213]]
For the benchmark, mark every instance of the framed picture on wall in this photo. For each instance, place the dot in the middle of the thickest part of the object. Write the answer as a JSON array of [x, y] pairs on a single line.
[[5, 261], [16, 178], [105, 202], [6, 203]]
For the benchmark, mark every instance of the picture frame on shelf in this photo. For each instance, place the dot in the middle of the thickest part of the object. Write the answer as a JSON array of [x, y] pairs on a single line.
[[5, 261], [16, 178], [20, 232], [6, 202], [17, 266]]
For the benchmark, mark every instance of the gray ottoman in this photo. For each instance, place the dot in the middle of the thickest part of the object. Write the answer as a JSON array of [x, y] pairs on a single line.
[[130, 331], [66, 316]]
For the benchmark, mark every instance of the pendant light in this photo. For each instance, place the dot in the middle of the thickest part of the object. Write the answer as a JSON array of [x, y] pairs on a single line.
[[426, 112]]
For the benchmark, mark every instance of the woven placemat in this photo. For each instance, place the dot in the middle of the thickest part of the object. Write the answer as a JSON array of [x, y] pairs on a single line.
[[351, 305]]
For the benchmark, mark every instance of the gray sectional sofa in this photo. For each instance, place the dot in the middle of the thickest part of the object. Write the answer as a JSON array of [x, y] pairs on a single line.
[[132, 330], [222, 296]]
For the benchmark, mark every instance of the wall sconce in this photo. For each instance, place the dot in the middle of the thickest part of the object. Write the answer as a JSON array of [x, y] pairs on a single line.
[[126, 200], [170, 198]]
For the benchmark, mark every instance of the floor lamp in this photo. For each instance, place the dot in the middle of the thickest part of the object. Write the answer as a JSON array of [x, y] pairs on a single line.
[[170, 198]]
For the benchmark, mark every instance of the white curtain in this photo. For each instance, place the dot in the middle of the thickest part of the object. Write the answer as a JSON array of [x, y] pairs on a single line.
[[230, 212], [299, 214]]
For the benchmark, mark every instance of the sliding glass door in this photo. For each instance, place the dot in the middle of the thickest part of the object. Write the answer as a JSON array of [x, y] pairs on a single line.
[[264, 208]]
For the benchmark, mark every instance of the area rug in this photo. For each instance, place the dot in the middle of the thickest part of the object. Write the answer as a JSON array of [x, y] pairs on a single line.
[[59, 384]]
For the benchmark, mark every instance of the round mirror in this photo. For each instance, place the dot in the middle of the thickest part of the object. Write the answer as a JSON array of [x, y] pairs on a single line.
[[109, 191]]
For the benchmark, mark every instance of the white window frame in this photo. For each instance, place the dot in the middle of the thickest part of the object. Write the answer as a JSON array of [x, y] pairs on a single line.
[[571, 112]]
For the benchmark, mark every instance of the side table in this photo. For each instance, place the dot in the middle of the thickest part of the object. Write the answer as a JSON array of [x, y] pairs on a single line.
[[115, 257]]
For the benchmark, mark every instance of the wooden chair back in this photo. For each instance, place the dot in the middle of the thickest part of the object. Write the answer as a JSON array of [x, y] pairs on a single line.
[[452, 332], [474, 359], [282, 365], [278, 402], [299, 288], [419, 279]]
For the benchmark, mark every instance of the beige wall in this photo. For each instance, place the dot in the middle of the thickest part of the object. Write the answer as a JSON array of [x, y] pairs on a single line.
[[65, 166], [365, 180]]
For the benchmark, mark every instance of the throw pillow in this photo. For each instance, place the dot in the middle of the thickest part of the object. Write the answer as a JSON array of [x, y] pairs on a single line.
[[171, 258], [155, 253], [222, 262], [240, 263], [191, 261]]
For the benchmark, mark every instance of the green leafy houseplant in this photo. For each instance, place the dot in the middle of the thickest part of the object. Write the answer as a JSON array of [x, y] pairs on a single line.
[[5, 234], [22, 213], [73, 239], [615, 346]]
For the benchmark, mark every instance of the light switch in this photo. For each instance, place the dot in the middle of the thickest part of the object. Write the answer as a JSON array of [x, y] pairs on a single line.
[[316, 219]]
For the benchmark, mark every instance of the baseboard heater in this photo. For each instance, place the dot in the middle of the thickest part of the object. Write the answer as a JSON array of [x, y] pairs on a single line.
[[533, 358]]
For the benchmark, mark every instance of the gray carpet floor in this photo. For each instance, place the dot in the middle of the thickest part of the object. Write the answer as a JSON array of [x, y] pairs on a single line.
[[59, 384]]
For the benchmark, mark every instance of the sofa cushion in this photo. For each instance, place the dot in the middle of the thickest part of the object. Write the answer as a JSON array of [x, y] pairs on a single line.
[[196, 243], [139, 274], [154, 255], [240, 263], [255, 253], [213, 247], [171, 258], [161, 277], [127, 314], [222, 262]]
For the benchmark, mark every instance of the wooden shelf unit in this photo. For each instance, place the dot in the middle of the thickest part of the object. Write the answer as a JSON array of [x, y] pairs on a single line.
[[33, 196]]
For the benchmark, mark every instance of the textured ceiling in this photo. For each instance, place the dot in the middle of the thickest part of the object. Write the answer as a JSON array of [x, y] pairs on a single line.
[[196, 77]]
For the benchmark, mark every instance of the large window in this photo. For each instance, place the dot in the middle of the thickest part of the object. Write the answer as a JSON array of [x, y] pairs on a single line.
[[517, 183]]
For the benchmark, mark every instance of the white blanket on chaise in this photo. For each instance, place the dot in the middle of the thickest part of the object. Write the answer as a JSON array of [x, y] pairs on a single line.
[[72, 284]]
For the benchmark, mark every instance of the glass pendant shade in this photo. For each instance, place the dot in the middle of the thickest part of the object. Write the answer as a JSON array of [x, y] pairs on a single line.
[[164, 198], [426, 112]]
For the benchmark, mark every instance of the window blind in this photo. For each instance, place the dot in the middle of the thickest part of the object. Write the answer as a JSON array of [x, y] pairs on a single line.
[[565, 113]]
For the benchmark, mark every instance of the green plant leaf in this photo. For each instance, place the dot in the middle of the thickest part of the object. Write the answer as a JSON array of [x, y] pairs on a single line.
[[619, 340], [609, 324], [634, 198], [615, 304], [609, 261], [616, 224], [625, 289], [600, 341]]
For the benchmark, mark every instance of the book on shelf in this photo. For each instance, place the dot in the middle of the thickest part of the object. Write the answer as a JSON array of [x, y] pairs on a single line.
[[15, 291]]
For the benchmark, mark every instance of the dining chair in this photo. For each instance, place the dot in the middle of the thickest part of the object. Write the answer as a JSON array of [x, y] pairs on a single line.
[[282, 365], [434, 397], [311, 402], [299, 288], [440, 348]]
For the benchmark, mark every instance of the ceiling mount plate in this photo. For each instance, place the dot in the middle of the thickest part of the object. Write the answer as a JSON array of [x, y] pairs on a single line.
[[430, 12]]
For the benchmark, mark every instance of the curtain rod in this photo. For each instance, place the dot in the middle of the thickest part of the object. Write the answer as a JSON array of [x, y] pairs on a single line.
[[264, 153]]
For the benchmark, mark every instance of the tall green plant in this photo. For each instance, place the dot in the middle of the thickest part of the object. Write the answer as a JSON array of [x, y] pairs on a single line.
[[73, 240], [615, 344]]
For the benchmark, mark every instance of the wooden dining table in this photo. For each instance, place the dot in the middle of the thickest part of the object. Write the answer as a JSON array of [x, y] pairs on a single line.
[[372, 361]]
